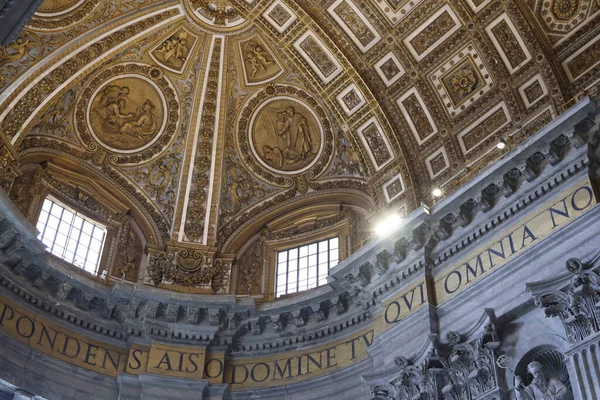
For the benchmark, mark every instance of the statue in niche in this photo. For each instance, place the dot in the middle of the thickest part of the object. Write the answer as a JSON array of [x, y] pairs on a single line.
[[286, 135], [542, 387], [125, 114]]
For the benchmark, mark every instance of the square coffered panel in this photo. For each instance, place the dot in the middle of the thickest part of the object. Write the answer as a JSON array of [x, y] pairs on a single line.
[[389, 69], [393, 188], [355, 24], [437, 162], [417, 115], [478, 5], [351, 99], [533, 90], [280, 16], [461, 80], [432, 33], [396, 10]]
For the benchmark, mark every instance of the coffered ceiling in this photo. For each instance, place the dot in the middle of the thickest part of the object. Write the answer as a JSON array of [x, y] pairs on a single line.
[[209, 115]]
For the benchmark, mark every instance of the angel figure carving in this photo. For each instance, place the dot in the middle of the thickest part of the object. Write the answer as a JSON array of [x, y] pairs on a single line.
[[16, 51]]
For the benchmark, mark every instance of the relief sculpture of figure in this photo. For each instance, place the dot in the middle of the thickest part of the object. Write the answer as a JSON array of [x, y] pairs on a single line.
[[110, 94], [257, 58], [292, 127], [302, 143], [115, 115], [542, 387], [175, 49], [286, 135], [145, 125], [16, 51]]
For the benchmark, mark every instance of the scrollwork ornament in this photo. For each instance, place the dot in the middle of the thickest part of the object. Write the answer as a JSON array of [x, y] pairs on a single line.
[[574, 265]]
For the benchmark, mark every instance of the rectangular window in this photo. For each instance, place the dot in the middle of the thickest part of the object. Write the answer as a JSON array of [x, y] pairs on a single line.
[[71, 236], [305, 267]]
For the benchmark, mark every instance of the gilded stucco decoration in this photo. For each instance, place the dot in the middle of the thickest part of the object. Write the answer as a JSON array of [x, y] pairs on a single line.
[[211, 114], [214, 14], [128, 109], [126, 113], [173, 53], [59, 14], [58, 7], [284, 132], [285, 135]]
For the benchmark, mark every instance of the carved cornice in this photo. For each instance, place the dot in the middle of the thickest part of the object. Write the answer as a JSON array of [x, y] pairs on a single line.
[[357, 286]]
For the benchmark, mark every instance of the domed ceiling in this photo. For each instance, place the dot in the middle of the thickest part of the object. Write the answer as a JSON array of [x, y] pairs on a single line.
[[211, 118]]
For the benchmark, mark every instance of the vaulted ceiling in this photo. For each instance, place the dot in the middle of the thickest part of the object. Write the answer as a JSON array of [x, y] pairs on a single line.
[[208, 115]]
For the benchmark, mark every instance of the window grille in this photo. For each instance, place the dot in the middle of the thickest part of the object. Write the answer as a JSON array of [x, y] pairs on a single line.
[[71, 236], [305, 267]]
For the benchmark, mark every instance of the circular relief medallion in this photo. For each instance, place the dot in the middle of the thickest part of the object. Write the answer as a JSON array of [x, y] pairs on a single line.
[[283, 132], [130, 110], [285, 135], [127, 113]]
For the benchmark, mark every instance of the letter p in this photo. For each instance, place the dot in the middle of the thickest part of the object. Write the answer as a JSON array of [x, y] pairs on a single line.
[[7, 313]]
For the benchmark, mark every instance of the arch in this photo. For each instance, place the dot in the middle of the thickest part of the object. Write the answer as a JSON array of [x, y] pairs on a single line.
[[94, 184]]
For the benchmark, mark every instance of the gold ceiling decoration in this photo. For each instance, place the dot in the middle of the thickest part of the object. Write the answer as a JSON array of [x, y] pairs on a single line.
[[284, 132], [214, 14], [128, 109], [58, 7], [216, 116]]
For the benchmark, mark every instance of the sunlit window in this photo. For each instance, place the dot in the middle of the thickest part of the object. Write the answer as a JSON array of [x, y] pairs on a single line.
[[305, 267], [71, 236]]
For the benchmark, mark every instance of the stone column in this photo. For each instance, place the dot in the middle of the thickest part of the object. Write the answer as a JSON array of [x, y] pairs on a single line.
[[584, 368], [578, 307]]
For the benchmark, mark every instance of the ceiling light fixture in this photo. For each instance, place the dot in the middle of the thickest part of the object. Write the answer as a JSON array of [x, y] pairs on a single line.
[[388, 225], [437, 192], [501, 144]]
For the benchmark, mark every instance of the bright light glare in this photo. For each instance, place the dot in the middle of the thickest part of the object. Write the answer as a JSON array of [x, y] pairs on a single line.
[[388, 225], [437, 192], [501, 144]]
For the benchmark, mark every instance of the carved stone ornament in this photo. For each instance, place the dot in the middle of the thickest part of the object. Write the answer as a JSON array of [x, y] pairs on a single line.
[[578, 306], [549, 377], [453, 370], [190, 269], [284, 131], [130, 110]]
